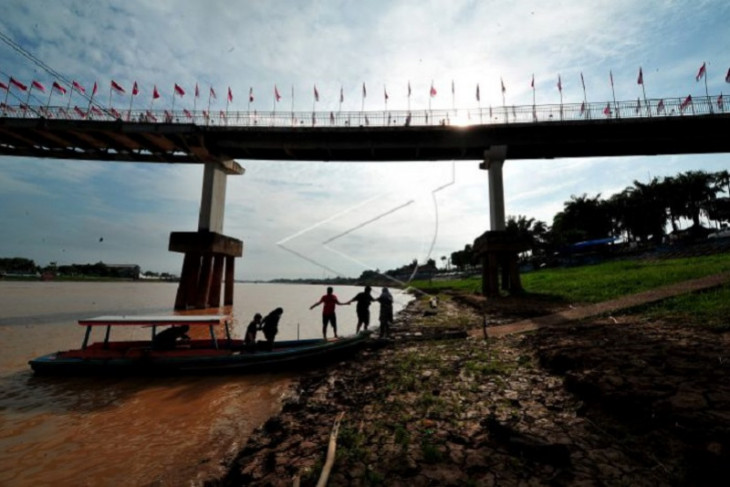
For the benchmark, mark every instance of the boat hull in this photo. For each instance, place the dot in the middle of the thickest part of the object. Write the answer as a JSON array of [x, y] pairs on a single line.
[[286, 355]]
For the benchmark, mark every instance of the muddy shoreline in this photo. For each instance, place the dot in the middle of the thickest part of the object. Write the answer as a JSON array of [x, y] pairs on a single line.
[[615, 401]]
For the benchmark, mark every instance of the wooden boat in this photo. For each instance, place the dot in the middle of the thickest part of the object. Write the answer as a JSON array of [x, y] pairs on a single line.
[[214, 354]]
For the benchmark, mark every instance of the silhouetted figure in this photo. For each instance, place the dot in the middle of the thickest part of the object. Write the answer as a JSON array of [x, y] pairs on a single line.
[[386, 312], [253, 327], [270, 326], [167, 339], [330, 301], [363, 308]]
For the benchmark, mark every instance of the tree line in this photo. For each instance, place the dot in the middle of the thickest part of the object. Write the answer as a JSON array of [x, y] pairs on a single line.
[[642, 214]]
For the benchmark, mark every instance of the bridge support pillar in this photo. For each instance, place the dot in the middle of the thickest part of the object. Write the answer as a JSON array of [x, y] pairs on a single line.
[[209, 255], [498, 250]]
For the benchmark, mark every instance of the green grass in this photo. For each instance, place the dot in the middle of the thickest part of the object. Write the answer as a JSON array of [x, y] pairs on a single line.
[[709, 309], [601, 282]]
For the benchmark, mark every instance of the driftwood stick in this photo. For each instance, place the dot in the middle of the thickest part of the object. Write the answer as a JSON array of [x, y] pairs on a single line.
[[324, 476]]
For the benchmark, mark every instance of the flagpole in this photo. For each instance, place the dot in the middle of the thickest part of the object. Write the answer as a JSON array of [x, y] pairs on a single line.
[[131, 99], [292, 103], [50, 93], [70, 92], [110, 96], [453, 96], [504, 101], [173, 99], [7, 92], [707, 93], [27, 100], [613, 92], [342, 95], [362, 106], [409, 97]]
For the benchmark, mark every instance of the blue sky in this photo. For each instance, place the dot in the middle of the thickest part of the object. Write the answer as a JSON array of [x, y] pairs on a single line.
[[53, 210]]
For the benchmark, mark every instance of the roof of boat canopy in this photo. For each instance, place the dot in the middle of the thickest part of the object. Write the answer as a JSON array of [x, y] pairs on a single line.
[[172, 320]]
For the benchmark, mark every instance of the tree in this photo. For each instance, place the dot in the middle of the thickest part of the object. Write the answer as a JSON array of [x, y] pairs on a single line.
[[582, 218]]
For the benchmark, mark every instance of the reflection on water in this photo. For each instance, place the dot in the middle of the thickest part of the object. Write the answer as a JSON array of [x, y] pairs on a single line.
[[131, 431]]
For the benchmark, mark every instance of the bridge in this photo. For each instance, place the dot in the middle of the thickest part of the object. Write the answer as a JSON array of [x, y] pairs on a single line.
[[489, 135]]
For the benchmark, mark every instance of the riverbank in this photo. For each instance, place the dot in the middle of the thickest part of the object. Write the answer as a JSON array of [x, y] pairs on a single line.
[[618, 400]]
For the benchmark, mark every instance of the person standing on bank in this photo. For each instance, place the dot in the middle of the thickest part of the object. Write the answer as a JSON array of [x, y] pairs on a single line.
[[329, 301], [363, 308], [386, 312], [270, 326]]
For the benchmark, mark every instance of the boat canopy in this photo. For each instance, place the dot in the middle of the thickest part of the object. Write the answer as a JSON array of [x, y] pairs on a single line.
[[200, 320]]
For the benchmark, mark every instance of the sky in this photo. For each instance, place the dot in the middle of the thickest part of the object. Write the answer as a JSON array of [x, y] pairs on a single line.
[[317, 219]]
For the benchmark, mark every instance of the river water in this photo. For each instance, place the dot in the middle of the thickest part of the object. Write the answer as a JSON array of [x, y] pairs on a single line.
[[133, 431]]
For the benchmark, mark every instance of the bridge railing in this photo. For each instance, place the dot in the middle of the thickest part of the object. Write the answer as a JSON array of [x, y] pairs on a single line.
[[667, 107]]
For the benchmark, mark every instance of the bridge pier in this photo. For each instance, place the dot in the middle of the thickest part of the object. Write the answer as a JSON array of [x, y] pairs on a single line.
[[209, 255], [498, 250]]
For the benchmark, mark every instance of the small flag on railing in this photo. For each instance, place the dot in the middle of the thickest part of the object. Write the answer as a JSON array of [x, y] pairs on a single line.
[[4, 86], [197, 91], [135, 89], [168, 115], [701, 72], [316, 93], [18, 84], [582, 108], [532, 83], [222, 114], [94, 90], [56, 86], [38, 85], [155, 93], [187, 113], [640, 79], [719, 102], [76, 86], [433, 90], [502, 83], [560, 84], [5, 107], [79, 112], [687, 102], [727, 76], [385, 93], [660, 106], [364, 91], [151, 116], [179, 90], [607, 110], [250, 95], [117, 87], [277, 95], [230, 94], [115, 113], [96, 111]]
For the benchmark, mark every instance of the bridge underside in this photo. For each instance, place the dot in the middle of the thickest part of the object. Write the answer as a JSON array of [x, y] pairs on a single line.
[[187, 143]]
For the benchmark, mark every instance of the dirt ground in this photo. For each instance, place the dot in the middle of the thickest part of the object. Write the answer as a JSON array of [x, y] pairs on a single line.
[[613, 400]]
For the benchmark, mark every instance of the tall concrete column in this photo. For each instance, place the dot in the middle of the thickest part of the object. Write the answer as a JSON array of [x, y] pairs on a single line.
[[207, 250], [493, 162]]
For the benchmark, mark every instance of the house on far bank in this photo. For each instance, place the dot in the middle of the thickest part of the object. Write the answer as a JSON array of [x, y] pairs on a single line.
[[128, 271]]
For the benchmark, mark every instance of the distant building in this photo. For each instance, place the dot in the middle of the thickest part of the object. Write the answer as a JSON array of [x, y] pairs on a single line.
[[129, 271]]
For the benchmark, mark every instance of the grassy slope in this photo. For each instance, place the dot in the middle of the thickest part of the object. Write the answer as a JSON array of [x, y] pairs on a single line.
[[596, 283]]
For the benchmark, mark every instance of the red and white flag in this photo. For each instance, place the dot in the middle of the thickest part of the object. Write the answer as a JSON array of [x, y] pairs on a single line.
[[582, 107], [276, 93], [478, 97], [687, 102], [660, 106], [117, 87], [385, 93], [727, 76], [37, 85], [560, 84], [76, 86], [640, 79], [316, 93], [155, 93], [135, 89], [18, 84], [701, 72], [212, 93], [532, 83], [4, 86], [115, 113], [179, 90], [93, 91], [230, 94], [250, 95], [433, 91], [58, 88], [607, 110], [364, 91], [409, 89], [222, 114], [151, 116], [187, 113], [96, 111], [502, 83], [197, 91], [80, 112]]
